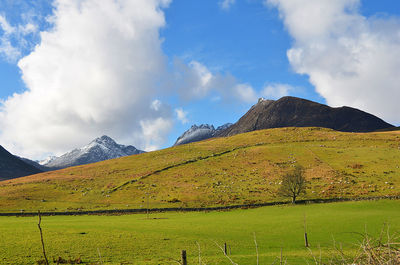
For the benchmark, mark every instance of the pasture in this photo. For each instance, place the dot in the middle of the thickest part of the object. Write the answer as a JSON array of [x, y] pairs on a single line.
[[134, 239]]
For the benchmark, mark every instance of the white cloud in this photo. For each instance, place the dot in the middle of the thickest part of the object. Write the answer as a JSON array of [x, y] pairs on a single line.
[[351, 59], [245, 92], [192, 80], [5, 26], [27, 28], [94, 72], [154, 132], [7, 50], [181, 115], [13, 38], [195, 81], [156, 105], [276, 90], [226, 4]]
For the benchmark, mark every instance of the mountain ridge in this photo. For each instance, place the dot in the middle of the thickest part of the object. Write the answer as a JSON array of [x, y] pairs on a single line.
[[100, 149], [298, 112], [198, 133]]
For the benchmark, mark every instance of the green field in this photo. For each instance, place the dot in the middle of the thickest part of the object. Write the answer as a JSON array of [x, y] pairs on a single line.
[[133, 239], [242, 169]]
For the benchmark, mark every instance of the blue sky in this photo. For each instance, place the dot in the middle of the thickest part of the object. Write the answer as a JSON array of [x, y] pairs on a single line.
[[243, 46], [248, 40]]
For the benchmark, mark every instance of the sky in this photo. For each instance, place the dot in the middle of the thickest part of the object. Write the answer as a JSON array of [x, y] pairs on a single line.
[[144, 71]]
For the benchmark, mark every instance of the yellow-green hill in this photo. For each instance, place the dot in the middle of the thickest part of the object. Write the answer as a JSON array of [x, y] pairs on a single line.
[[241, 169]]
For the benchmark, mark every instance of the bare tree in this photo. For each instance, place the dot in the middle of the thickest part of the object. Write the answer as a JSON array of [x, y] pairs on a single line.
[[293, 184]]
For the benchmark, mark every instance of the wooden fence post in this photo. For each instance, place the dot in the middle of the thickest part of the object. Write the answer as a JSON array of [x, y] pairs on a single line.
[[305, 232], [184, 258], [147, 205], [41, 239], [225, 249], [306, 239]]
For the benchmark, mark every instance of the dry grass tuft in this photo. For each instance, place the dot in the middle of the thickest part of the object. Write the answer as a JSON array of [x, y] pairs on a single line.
[[383, 250]]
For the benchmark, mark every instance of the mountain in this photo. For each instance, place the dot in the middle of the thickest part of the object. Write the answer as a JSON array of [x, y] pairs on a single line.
[[47, 160], [13, 167], [34, 163], [100, 149], [297, 112], [199, 133]]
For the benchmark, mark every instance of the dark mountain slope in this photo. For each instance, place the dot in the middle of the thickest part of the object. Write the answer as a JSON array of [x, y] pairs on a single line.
[[34, 163], [297, 112], [13, 167]]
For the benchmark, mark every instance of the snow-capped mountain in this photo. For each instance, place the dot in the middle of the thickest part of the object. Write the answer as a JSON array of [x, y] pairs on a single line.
[[47, 160], [199, 133], [100, 149]]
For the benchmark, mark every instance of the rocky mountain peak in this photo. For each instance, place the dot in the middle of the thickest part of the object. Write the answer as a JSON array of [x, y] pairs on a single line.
[[104, 140], [100, 149], [297, 112], [199, 133]]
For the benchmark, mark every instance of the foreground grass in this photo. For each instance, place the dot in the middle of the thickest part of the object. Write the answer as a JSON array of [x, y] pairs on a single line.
[[133, 239], [242, 169]]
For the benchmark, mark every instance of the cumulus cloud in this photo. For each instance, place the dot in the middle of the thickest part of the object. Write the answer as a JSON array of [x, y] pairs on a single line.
[[181, 115], [226, 4], [276, 90], [350, 59], [195, 81], [95, 71]]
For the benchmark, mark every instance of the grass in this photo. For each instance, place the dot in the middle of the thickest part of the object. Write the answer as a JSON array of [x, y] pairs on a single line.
[[133, 239], [241, 169]]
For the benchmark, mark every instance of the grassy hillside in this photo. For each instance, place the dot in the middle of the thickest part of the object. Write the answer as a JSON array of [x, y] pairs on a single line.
[[242, 169], [133, 239]]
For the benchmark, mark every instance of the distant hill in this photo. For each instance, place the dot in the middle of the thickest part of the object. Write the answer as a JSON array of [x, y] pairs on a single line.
[[199, 133], [100, 149], [242, 169], [13, 167], [34, 163], [297, 112]]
